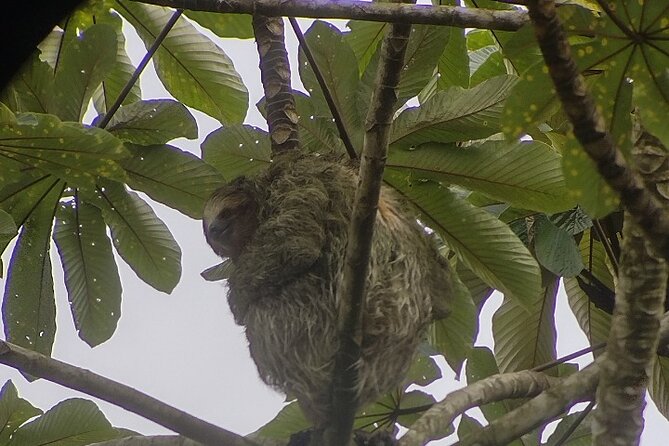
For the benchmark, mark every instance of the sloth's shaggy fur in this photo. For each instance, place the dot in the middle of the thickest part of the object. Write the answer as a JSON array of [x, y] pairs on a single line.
[[287, 243]]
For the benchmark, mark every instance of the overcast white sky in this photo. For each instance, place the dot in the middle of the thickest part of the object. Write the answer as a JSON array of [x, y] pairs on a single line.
[[184, 348]]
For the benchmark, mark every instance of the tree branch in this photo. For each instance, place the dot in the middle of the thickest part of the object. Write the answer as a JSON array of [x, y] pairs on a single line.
[[121, 395], [281, 114], [361, 229], [360, 10], [548, 405], [590, 128], [632, 342], [524, 384]]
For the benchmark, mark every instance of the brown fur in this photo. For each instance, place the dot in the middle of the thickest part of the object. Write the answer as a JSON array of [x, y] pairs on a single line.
[[284, 285]]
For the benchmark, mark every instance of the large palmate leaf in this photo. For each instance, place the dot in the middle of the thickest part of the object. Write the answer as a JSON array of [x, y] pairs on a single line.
[[192, 68], [631, 41], [83, 63], [364, 39], [336, 62], [14, 411], [237, 150], [68, 150], [139, 236], [28, 307], [524, 174], [155, 121], [524, 340], [176, 178], [71, 422], [486, 245], [453, 115], [91, 275]]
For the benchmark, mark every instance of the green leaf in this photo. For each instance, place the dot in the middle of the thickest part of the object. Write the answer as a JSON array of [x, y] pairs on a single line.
[[486, 245], [556, 249], [485, 63], [287, 422], [454, 336], [574, 221], [91, 275], [582, 436], [7, 225], [28, 307], [71, 422], [14, 411], [22, 196], [140, 237], [481, 364], [6, 115], [426, 44], [82, 65], [423, 371], [453, 65], [237, 150], [68, 150], [532, 101], [524, 340], [594, 322], [218, 272], [658, 387], [335, 60], [410, 405], [364, 39], [31, 89], [318, 132], [192, 68], [171, 176], [468, 425], [584, 183], [493, 169], [224, 25], [453, 115], [155, 121], [120, 75], [478, 289]]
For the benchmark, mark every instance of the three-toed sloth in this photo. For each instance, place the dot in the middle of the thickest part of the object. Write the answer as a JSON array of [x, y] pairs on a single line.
[[285, 231]]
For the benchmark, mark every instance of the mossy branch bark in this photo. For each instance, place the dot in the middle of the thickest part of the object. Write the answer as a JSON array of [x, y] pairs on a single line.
[[281, 114], [361, 10], [372, 162], [524, 384]]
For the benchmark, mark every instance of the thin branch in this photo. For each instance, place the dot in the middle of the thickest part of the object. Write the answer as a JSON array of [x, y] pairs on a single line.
[[281, 114], [121, 395], [632, 342], [569, 357], [339, 122], [140, 68], [599, 230], [356, 264], [500, 387], [456, 16], [590, 128]]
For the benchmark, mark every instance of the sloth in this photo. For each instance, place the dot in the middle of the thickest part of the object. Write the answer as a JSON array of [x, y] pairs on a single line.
[[285, 232]]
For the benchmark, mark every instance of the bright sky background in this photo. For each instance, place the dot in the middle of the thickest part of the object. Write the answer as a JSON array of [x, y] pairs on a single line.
[[185, 348]]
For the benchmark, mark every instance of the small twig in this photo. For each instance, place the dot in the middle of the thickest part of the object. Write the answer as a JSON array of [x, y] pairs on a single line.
[[607, 245], [140, 68], [569, 357], [339, 122], [121, 395]]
